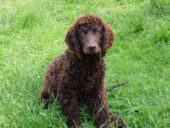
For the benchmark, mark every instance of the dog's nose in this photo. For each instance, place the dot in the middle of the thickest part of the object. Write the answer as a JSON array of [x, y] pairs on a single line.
[[91, 48]]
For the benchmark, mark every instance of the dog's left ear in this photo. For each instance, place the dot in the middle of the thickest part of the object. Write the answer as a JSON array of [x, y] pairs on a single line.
[[108, 38]]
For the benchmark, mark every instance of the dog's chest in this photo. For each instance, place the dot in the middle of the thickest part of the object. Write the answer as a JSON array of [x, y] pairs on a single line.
[[89, 77]]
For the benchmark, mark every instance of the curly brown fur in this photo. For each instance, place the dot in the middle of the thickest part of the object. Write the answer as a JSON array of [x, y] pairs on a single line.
[[77, 76]]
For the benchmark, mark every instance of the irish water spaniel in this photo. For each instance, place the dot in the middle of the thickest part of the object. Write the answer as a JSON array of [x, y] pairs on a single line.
[[77, 76]]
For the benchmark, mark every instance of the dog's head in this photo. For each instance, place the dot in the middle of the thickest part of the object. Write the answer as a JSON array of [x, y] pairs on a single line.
[[89, 35]]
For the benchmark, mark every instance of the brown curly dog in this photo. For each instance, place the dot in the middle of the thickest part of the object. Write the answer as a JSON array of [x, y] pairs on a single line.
[[77, 76]]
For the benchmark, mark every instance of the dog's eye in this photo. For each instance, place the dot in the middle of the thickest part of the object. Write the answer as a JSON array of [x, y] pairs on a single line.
[[85, 32], [94, 30]]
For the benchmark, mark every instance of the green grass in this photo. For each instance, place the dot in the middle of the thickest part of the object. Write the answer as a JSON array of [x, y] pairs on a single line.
[[32, 35]]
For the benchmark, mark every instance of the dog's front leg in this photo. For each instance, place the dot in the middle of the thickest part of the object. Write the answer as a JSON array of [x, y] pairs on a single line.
[[69, 105], [98, 107], [97, 103]]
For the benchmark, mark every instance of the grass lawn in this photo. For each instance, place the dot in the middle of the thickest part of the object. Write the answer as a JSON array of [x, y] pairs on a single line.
[[32, 34]]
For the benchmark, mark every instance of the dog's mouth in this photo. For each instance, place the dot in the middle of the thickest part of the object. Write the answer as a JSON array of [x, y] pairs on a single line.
[[91, 51]]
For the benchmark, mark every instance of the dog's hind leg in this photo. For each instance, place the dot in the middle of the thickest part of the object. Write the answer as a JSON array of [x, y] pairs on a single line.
[[45, 95]]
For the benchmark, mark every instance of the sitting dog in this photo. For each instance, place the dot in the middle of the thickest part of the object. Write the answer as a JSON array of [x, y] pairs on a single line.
[[77, 76]]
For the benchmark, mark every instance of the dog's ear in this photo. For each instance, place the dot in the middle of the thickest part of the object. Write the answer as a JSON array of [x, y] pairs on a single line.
[[108, 38], [71, 38]]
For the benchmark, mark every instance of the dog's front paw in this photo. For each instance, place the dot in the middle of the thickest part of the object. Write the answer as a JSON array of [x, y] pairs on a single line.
[[118, 122]]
